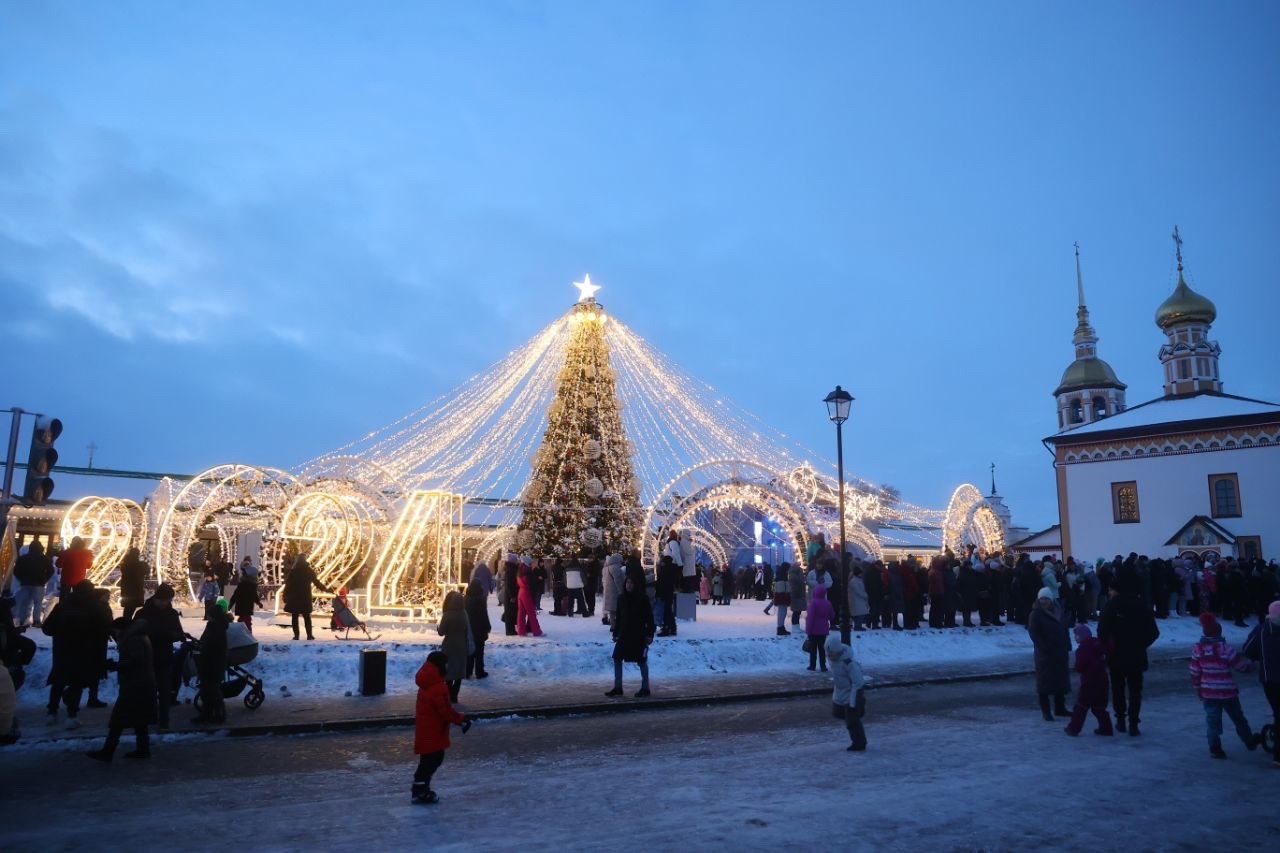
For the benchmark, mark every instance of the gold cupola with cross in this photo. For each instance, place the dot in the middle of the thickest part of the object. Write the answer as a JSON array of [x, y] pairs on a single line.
[[1189, 358]]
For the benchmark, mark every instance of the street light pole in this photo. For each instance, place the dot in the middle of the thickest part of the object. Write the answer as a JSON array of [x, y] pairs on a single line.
[[838, 410]]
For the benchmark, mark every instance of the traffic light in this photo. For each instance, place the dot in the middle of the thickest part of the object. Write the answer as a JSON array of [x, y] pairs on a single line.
[[41, 461]]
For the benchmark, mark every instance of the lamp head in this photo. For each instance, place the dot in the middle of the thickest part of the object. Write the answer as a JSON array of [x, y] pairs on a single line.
[[838, 405]]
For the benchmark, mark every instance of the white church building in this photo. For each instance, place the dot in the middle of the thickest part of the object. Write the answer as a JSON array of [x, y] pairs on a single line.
[[1195, 470]]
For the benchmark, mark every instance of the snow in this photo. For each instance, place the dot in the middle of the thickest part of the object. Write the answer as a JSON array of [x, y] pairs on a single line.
[[1171, 410], [734, 640]]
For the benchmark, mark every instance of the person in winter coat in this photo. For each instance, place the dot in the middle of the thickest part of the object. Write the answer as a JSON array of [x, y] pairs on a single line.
[[1127, 629], [1048, 631], [1091, 663], [211, 664], [135, 706], [591, 570], [1212, 660], [101, 602], [208, 592], [848, 698], [614, 576], [937, 593], [433, 714], [799, 593], [1263, 646], [781, 598], [526, 612], [632, 630], [704, 587], [668, 581], [717, 588], [245, 599], [859, 603], [574, 584], [817, 625], [478, 617], [480, 571], [9, 730], [77, 627], [458, 644], [32, 571], [967, 587], [297, 593], [510, 593], [894, 601], [133, 576], [164, 628], [74, 564]]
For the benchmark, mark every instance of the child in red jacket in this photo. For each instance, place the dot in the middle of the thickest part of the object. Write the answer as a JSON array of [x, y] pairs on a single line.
[[1211, 663], [432, 718], [1092, 665]]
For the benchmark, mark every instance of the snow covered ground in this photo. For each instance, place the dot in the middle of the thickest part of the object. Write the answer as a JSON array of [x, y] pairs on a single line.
[[734, 640]]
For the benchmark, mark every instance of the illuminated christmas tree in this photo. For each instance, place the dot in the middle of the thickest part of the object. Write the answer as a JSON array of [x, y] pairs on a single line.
[[583, 493]]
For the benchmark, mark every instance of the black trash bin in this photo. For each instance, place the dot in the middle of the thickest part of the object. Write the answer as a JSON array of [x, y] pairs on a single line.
[[373, 672]]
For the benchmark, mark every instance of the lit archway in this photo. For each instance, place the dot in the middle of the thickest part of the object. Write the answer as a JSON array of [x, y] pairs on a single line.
[[971, 521], [109, 527]]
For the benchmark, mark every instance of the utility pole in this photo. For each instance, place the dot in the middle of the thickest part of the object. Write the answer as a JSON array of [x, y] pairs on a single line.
[[91, 446]]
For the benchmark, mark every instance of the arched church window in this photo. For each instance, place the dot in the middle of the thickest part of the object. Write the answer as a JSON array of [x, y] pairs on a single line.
[[1224, 494], [1099, 408]]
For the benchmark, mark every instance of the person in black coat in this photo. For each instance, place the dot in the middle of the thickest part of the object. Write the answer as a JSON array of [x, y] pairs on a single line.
[[211, 664], [1052, 640], [32, 570], [668, 581], [633, 629], [1127, 629], [591, 570], [967, 587], [297, 594], [510, 593], [244, 601], [164, 628], [77, 626], [135, 706], [477, 607], [103, 614], [133, 575]]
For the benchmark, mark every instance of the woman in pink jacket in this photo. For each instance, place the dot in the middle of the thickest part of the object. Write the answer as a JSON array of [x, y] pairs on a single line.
[[526, 609]]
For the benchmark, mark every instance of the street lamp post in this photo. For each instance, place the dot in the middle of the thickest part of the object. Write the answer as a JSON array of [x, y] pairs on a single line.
[[838, 410]]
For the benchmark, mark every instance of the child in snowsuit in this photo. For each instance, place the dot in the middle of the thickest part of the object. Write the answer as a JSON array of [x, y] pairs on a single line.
[[1091, 663], [848, 700], [433, 715], [1211, 663]]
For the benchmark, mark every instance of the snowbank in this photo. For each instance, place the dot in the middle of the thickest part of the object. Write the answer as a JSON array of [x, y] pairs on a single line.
[[738, 639]]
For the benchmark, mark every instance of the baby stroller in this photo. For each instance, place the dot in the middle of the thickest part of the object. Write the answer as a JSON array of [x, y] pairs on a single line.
[[344, 619], [241, 649]]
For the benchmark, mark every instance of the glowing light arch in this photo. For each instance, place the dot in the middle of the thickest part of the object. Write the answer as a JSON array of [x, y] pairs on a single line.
[[109, 527], [209, 493], [738, 494], [970, 520], [710, 545]]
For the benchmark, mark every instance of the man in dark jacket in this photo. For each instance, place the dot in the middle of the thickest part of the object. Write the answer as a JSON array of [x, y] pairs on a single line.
[[136, 703], [164, 628], [33, 570], [297, 594], [133, 575], [78, 628], [1127, 628], [510, 592], [667, 582], [212, 663]]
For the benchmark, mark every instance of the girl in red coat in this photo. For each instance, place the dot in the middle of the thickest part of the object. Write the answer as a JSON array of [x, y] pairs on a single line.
[[432, 718], [1092, 665]]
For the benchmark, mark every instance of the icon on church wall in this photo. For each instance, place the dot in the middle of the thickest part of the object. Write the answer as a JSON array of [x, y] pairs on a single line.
[[1196, 536]]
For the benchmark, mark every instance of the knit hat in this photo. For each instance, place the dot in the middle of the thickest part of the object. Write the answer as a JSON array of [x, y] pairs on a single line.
[[164, 591], [1045, 592], [1082, 632], [1209, 624], [222, 604]]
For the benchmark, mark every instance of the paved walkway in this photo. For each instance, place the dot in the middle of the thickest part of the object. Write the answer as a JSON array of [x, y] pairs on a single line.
[[491, 698]]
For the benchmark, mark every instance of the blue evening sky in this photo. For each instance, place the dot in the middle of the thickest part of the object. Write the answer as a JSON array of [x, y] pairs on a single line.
[[253, 231]]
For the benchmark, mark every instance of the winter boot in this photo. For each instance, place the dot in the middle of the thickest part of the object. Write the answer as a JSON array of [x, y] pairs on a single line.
[[642, 693], [1215, 749], [783, 632], [1120, 724], [422, 795], [1060, 707], [617, 691], [1133, 728], [99, 755], [1044, 708]]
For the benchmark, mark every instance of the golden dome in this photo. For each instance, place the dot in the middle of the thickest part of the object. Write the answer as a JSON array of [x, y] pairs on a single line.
[[1088, 373], [1185, 305]]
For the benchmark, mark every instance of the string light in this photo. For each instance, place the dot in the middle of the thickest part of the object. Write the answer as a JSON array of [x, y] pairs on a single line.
[[108, 527], [970, 520]]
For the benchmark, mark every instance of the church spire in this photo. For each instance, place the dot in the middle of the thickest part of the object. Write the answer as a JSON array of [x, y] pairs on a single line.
[[1085, 338]]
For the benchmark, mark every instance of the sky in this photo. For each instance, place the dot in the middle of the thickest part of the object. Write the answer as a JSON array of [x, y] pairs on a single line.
[[253, 232]]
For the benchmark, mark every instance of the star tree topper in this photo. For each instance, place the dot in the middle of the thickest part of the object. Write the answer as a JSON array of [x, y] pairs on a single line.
[[586, 290]]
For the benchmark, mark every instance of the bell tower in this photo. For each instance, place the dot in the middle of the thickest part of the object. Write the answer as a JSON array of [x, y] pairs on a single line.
[[1089, 390]]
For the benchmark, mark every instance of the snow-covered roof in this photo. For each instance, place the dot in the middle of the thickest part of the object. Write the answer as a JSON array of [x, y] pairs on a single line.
[[1050, 537], [1171, 410]]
